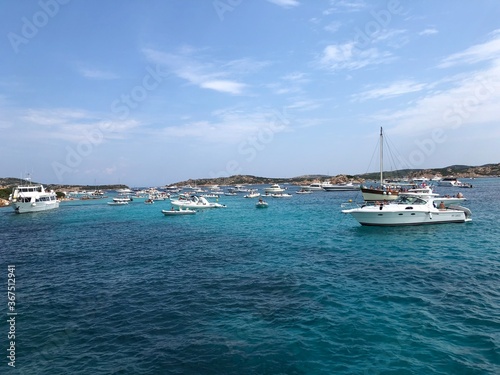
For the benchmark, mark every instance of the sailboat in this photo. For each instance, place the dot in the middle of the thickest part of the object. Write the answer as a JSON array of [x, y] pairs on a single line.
[[383, 192]]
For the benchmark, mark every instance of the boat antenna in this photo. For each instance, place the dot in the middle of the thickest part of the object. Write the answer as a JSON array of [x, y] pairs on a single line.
[[381, 156]]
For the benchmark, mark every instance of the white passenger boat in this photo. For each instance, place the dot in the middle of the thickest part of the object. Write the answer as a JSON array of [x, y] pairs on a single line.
[[33, 198], [409, 211]]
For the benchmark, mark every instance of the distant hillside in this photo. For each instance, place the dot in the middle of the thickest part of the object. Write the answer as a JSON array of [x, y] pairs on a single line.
[[9, 182], [459, 171]]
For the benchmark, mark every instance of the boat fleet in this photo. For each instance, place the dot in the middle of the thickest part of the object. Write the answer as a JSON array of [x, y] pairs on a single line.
[[387, 205]]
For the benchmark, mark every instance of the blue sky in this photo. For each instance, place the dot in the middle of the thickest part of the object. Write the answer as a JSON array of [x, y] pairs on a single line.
[[154, 92]]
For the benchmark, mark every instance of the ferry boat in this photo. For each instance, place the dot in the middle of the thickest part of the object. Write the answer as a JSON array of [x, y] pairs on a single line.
[[33, 198]]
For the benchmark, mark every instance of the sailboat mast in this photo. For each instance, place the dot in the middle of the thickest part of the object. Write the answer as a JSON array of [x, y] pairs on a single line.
[[381, 156]]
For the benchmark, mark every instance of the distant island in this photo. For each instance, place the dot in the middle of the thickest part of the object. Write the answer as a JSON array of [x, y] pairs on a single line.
[[458, 171]]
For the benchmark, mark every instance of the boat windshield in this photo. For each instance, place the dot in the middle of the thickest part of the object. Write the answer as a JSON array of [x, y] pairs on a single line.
[[410, 200]]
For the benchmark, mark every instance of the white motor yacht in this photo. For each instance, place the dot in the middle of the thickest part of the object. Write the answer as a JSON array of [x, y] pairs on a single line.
[[409, 210], [274, 188], [194, 202]]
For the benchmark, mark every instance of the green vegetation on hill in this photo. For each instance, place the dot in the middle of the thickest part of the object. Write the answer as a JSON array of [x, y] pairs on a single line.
[[4, 193]]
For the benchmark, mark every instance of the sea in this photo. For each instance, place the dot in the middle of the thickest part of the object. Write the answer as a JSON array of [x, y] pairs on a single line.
[[297, 288]]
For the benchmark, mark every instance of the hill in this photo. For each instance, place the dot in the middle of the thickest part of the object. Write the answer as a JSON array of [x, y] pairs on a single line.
[[459, 171]]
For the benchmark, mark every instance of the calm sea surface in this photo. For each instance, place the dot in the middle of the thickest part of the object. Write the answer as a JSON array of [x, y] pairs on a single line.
[[298, 288]]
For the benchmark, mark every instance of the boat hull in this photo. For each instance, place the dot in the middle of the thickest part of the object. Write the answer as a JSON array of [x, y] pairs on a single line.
[[178, 212], [341, 188], [374, 216], [22, 208]]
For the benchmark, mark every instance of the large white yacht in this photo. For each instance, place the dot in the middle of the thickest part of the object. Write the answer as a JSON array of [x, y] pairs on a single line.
[[33, 198], [409, 210]]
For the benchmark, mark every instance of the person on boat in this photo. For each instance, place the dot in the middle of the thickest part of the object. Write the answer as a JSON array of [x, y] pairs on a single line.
[[460, 195], [442, 206]]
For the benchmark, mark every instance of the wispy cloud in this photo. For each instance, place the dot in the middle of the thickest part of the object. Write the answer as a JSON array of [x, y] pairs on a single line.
[[97, 73], [470, 101], [480, 52], [227, 126], [333, 27], [203, 74], [285, 3], [428, 31], [348, 56], [393, 90], [345, 6], [72, 125]]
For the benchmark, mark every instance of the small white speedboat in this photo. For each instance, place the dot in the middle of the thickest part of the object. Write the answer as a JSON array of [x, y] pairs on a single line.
[[119, 201], [303, 191], [179, 212], [252, 194], [281, 195]]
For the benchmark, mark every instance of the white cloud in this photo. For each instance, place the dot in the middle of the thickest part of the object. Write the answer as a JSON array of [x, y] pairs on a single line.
[[96, 73], [228, 126], [480, 52], [347, 56], [333, 27], [285, 3], [394, 89], [428, 31], [230, 87], [345, 6], [472, 101], [204, 75], [72, 125]]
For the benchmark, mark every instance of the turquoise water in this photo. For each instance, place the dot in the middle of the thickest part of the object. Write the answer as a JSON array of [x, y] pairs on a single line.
[[297, 288]]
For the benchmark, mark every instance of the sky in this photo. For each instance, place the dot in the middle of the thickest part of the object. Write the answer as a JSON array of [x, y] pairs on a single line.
[[148, 93]]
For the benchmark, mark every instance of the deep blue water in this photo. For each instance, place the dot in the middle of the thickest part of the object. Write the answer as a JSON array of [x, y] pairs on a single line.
[[298, 288]]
